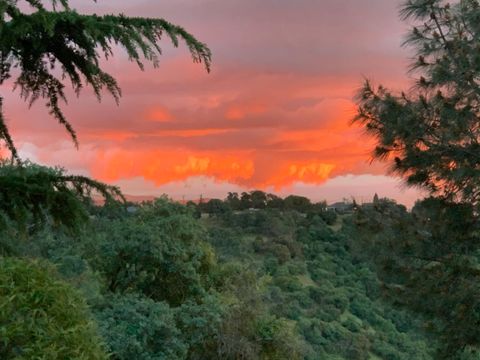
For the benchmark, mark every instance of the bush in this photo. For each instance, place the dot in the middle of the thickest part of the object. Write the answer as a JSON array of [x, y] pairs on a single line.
[[279, 339], [160, 252], [136, 327], [42, 317]]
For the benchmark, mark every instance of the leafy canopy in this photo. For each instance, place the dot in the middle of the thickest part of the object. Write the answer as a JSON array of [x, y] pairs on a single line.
[[428, 262], [32, 196], [43, 317], [158, 252], [432, 132], [51, 42], [137, 327]]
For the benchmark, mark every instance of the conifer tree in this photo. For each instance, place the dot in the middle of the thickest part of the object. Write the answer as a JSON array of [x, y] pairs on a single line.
[[431, 134], [52, 37], [431, 137], [44, 43]]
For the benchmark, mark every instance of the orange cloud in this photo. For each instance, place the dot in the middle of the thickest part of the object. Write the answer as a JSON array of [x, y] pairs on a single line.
[[165, 166], [285, 174], [244, 169], [314, 171], [275, 110]]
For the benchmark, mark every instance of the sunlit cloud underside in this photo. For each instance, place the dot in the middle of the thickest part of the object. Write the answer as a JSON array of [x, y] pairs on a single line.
[[274, 114]]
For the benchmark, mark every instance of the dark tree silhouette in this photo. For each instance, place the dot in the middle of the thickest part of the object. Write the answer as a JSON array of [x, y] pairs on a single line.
[[431, 134], [431, 137]]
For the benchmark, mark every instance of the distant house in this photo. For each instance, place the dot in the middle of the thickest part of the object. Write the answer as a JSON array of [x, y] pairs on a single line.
[[341, 207]]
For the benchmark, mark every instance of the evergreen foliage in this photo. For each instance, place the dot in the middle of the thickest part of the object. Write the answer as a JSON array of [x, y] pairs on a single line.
[[428, 260], [44, 43], [53, 39], [32, 196], [431, 133]]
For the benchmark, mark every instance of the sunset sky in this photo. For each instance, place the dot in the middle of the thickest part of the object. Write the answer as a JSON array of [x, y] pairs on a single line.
[[273, 114]]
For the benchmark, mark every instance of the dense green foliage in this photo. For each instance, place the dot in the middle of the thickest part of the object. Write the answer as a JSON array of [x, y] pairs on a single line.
[[142, 253], [32, 196], [311, 279], [136, 327], [42, 317], [428, 259], [255, 276], [250, 284], [43, 43]]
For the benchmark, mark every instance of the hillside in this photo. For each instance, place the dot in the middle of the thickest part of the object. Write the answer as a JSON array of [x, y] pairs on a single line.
[[170, 281], [309, 276]]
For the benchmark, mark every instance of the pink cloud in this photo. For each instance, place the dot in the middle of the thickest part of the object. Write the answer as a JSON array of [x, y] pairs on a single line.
[[274, 112]]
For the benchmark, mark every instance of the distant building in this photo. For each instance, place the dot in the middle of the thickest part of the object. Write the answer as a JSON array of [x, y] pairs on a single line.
[[341, 207]]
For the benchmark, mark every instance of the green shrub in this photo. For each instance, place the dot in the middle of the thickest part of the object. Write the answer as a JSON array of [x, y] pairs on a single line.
[[159, 252], [42, 317], [136, 327], [279, 339]]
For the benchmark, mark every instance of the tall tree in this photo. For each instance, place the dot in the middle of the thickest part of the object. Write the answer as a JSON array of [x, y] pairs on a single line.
[[431, 137], [432, 133]]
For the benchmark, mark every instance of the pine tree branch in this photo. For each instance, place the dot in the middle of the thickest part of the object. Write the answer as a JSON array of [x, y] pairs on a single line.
[[38, 43]]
